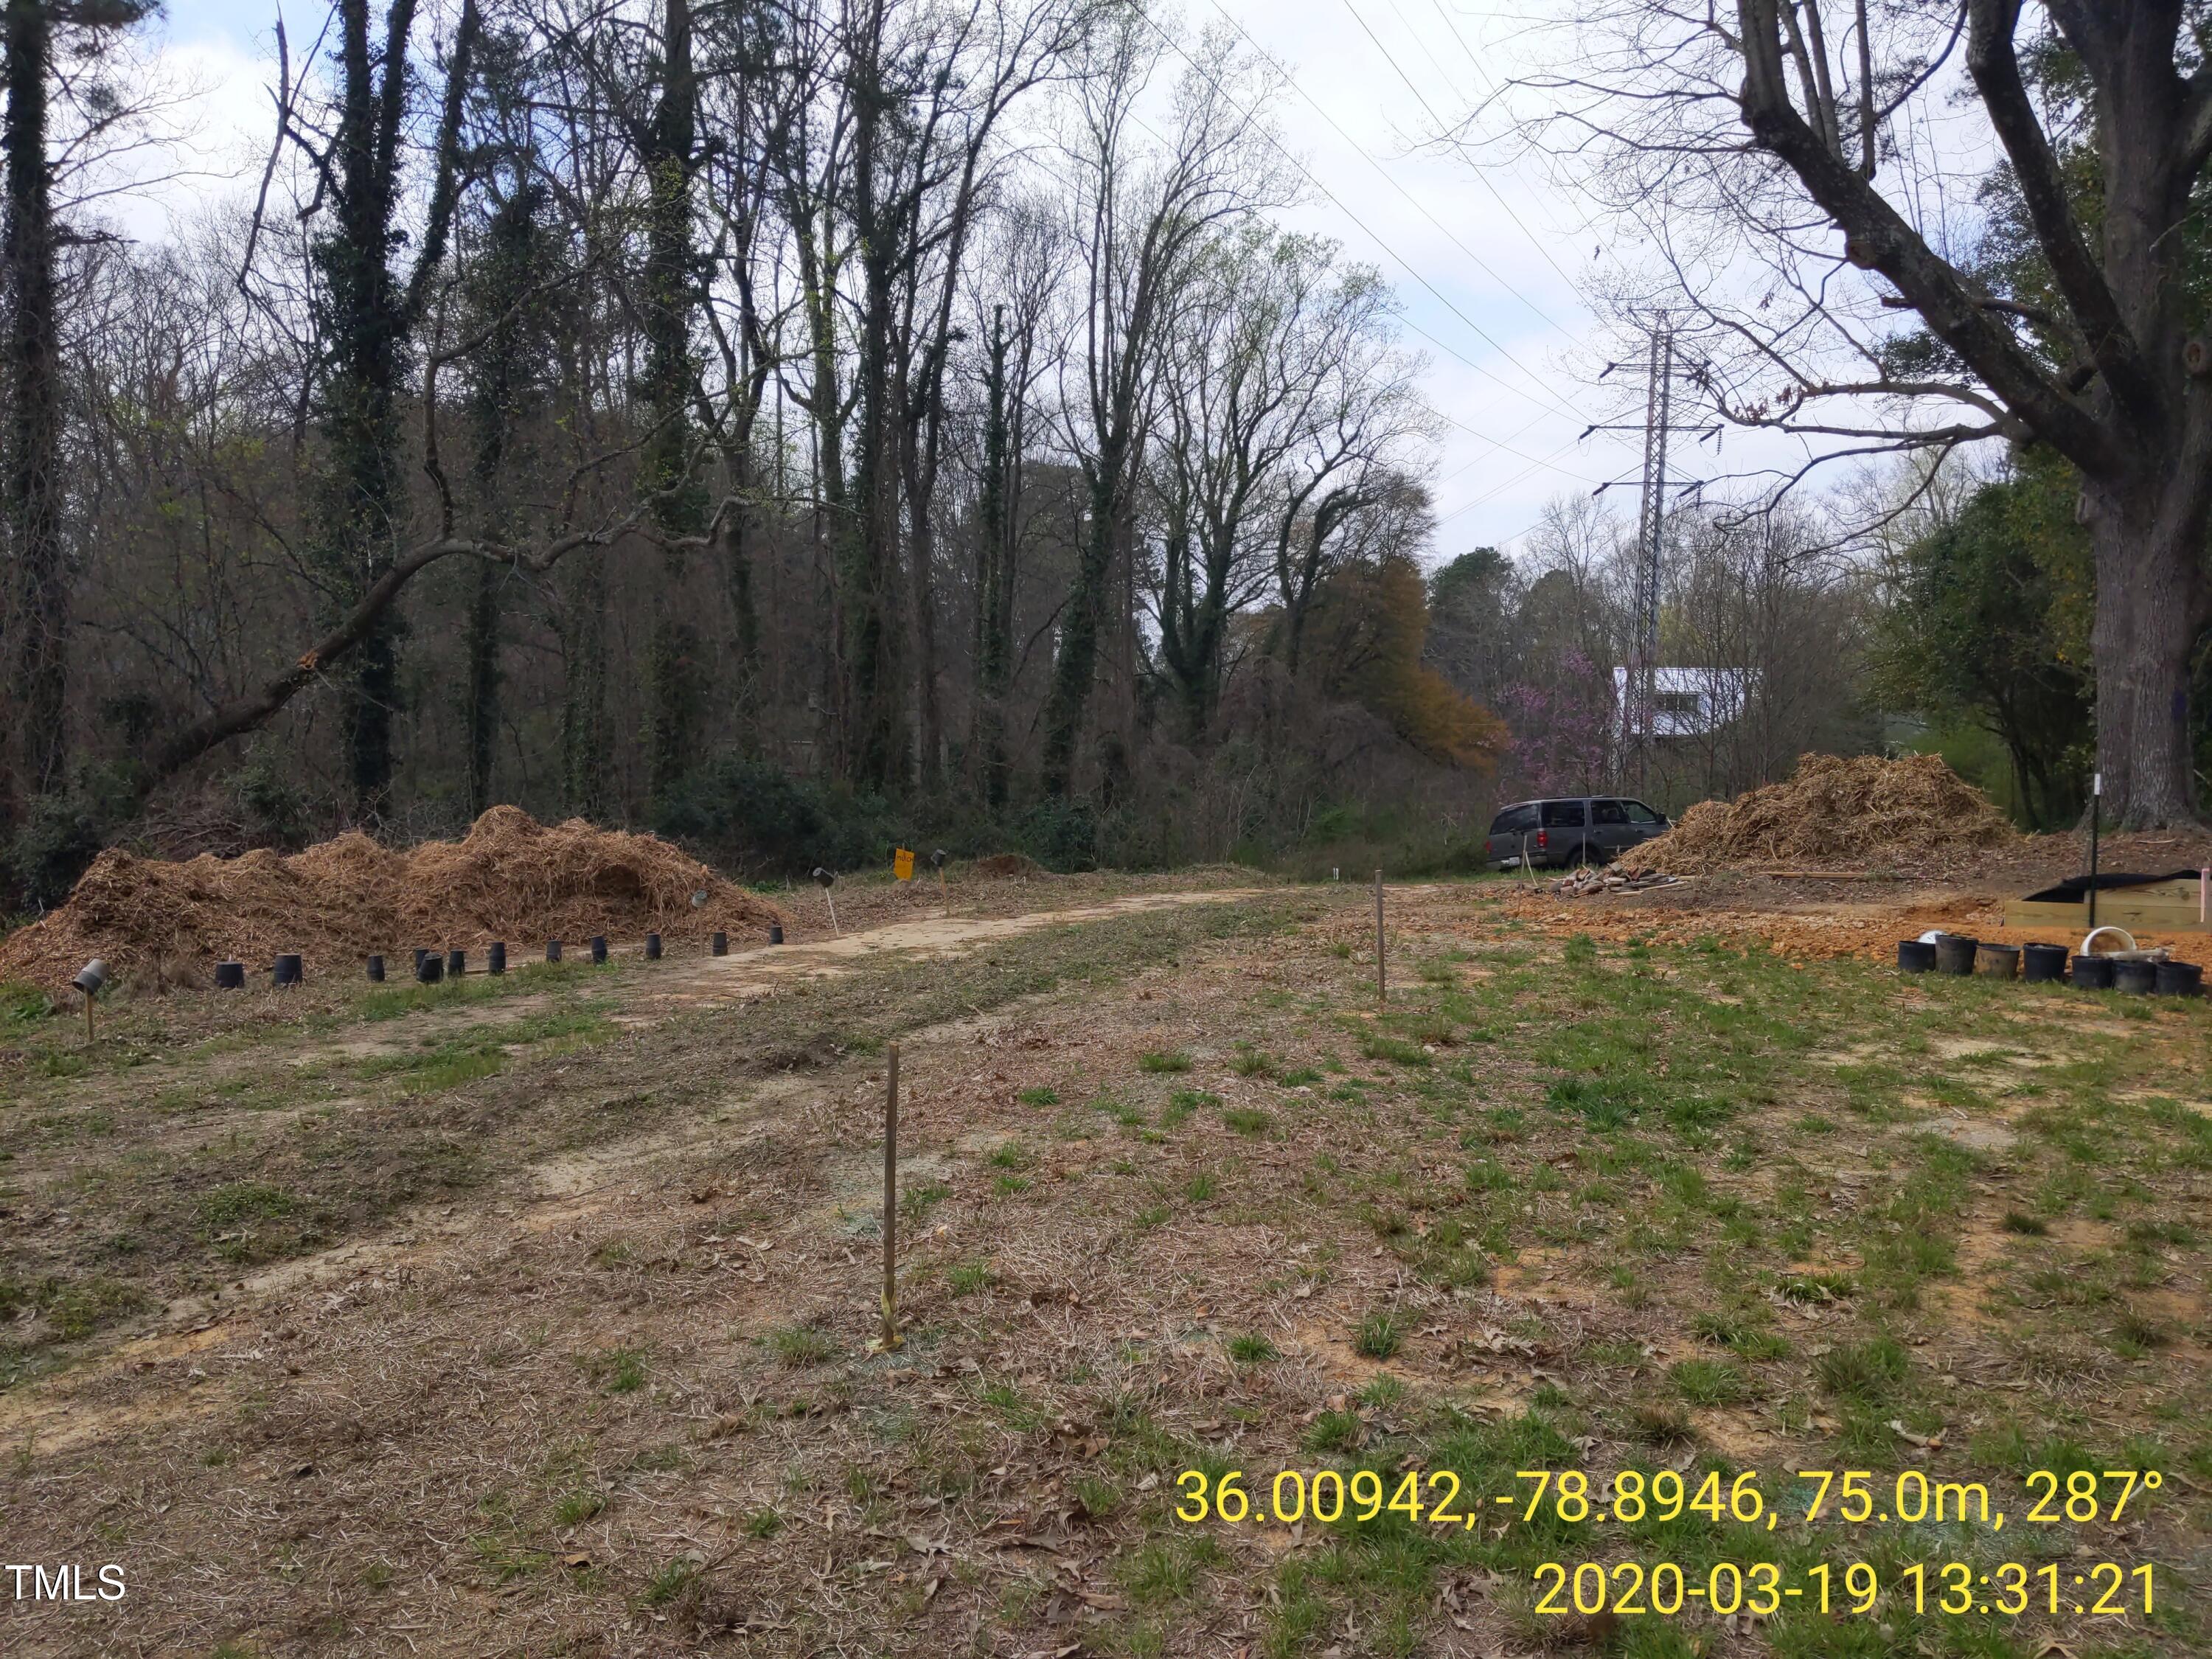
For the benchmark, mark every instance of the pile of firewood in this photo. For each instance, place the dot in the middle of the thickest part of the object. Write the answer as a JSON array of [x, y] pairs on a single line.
[[1591, 878]]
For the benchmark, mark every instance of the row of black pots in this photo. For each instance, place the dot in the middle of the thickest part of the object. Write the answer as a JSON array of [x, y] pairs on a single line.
[[432, 967], [1955, 953]]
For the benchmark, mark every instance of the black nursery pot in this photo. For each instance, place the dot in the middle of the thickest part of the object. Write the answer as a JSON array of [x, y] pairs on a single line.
[[1954, 953], [1916, 955], [1996, 961], [598, 947], [2137, 979], [289, 969], [2094, 973], [376, 970], [457, 963], [495, 958], [419, 954], [720, 944], [2179, 979], [429, 967], [552, 949], [2043, 964], [775, 933], [653, 947], [230, 976]]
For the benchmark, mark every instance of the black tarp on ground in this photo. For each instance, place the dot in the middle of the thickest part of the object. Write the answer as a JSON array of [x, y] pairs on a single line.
[[2074, 890]]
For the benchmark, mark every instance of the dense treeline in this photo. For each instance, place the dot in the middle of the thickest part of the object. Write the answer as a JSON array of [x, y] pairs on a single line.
[[787, 423]]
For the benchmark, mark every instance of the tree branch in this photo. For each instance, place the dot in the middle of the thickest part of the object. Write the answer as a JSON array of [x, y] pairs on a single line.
[[1996, 70], [445, 184], [1877, 238], [257, 708]]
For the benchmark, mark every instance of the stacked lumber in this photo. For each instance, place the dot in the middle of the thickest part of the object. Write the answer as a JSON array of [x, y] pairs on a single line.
[[1590, 879]]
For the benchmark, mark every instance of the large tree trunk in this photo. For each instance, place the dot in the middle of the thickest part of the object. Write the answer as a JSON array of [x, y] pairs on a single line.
[[737, 540], [921, 555], [483, 645], [994, 579], [33, 437], [367, 315], [584, 757], [674, 700], [868, 569], [1076, 665], [2151, 607]]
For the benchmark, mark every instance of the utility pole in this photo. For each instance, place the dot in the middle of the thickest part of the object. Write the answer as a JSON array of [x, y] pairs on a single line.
[[1639, 716]]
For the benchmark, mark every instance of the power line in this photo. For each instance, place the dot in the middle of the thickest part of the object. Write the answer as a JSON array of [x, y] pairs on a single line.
[[1176, 46], [1364, 156], [1480, 175], [1504, 485], [1495, 443]]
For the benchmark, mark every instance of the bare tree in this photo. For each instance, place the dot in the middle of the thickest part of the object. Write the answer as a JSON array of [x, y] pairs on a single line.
[[1774, 151], [368, 312], [1020, 288], [1370, 430], [1139, 219], [1249, 384]]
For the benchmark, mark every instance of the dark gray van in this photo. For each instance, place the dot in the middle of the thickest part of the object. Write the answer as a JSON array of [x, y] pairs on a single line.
[[1570, 829]]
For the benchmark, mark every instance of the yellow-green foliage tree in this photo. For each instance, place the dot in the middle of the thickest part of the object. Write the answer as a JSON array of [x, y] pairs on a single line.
[[1373, 624]]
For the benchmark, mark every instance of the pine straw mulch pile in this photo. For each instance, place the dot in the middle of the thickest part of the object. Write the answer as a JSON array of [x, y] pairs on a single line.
[[1911, 815], [510, 879]]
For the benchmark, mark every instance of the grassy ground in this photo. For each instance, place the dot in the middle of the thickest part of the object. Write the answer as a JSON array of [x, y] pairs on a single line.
[[515, 1326]]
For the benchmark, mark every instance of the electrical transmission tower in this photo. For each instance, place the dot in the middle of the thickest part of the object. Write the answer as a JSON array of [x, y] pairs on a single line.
[[1640, 713], [1639, 690]]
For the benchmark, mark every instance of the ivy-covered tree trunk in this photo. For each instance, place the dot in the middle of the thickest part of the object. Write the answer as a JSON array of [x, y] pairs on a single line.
[[33, 505], [499, 293], [367, 314], [994, 579], [674, 699], [1076, 665], [868, 564]]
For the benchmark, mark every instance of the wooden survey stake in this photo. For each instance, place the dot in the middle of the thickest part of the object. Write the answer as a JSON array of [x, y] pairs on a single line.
[[890, 1202], [1381, 977]]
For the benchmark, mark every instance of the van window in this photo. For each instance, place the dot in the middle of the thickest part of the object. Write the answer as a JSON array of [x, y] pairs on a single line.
[[1608, 812], [1563, 815], [1513, 820], [1639, 813]]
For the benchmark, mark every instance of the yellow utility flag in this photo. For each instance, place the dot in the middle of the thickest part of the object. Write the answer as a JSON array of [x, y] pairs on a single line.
[[902, 864]]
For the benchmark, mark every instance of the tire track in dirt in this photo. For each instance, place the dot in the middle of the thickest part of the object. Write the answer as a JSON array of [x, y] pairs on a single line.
[[711, 981], [67, 1410]]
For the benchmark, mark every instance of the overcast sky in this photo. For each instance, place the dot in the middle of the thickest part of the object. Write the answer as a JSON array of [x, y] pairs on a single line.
[[1484, 266]]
